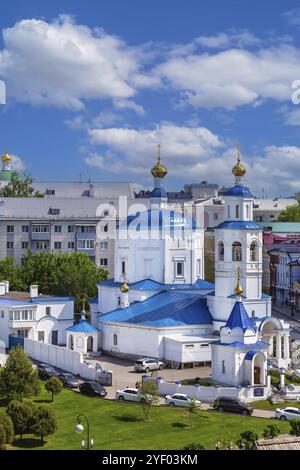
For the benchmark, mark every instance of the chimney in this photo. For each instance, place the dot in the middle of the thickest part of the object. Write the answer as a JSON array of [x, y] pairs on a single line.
[[6, 287], [2, 288], [34, 291]]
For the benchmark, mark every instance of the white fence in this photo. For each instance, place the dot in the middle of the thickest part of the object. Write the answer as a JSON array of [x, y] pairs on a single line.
[[63, 358], [209, 394]]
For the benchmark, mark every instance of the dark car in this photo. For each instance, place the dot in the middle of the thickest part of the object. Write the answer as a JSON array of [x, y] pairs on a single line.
[[92, 389], [232, 405], [69, 380], [46, 371]]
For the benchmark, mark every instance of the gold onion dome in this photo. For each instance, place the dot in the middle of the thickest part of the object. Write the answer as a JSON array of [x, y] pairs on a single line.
[[239, 169], [159, 171], [6, 158], [238, 288], [124, 288]]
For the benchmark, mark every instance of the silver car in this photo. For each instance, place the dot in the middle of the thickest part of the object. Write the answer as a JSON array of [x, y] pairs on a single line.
[[287, 413], [180, 399], [147, 364]]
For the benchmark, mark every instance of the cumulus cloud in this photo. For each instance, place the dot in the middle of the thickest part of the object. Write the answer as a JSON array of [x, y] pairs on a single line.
[[17, 164], [61, 63]]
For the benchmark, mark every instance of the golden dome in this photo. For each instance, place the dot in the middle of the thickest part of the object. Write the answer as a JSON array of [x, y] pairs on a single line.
[[238, 288], [6, 158], [124, 288], [238, 169], [159, 171]]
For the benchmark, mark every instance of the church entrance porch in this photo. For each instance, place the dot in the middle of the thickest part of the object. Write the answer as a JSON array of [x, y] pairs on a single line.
[[273, 333], [255, 368]]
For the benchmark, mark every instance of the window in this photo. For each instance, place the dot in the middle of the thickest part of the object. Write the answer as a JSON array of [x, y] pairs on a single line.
[[50, 192], [179, 269], [228, 212], [223, 367], [71, 245], [221, 251], [85, 244], [10, 245], [41, 245], [236, 251], [57, 228], [119, 300], [25, 228], [71, 228], [216, 216], [24, 245], [54, 211], [105, 213], [10, 228], [41, 228], [103, 245], [41, 336], [115, 339], [48, 310], [199, 271], [123, 267], [103, 262], [57, 245], [254, 251], [247, 211], [237, 211]]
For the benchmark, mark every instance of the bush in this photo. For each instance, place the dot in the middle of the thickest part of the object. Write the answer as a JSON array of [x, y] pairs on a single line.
[[6, 430], [295, 425], [21, 414], [271, 431], [44, 421], [247, 440], [194, 446]]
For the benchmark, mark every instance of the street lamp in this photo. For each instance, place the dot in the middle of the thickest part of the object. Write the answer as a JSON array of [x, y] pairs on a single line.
[[79, 428]]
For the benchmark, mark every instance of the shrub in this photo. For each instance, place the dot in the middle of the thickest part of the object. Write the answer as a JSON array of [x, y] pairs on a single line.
[[194, 446], [247, 440], [6, 430], [44, 421], [21, 414], [271, 431], [295, 425]]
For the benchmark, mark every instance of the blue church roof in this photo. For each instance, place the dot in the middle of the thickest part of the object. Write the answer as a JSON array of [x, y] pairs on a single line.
[[166, 309], [239, 318], [239, 225], [83, 326], [162, 219], [238, 191], [237, 344], [150, 284], [250, 355]]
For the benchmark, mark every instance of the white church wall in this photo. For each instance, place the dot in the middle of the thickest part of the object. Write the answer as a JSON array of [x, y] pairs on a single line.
[[220, 308]]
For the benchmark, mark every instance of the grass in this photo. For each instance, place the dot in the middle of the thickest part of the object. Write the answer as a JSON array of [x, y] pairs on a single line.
[[117, 425], [266, 405]]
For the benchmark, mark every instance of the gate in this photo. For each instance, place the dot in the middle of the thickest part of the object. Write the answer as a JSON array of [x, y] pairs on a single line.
[[14, 341]]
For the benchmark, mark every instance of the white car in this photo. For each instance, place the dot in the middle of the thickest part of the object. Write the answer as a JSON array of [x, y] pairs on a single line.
[[287, 413], [180, 399], [128, 394]]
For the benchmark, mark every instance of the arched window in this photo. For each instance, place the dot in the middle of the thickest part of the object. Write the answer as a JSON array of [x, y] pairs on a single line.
[[221, 251], [237, 211], [247, 211], [228, 212], [254, 251], [236, 251], [115, 339]]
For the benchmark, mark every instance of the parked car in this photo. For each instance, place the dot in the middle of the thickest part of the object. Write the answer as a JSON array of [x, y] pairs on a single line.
[[180, 399], [232, 405], [69, 380], [146, 364], [92, 389], [287, 413], [128, 394], [46, 371]]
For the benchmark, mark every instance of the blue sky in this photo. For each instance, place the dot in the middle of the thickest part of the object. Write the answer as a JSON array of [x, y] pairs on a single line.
[[93, 86]]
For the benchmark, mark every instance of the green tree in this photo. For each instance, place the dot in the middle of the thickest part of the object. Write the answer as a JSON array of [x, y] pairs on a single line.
[[148, 392], [271, 431], [54, 386], [194, 446], [19, 187], [295, 427], [6, 429], [247, 440], [18, 378], [21, 414], [44, 422], [11, 272], [192, 409], [290, 214]]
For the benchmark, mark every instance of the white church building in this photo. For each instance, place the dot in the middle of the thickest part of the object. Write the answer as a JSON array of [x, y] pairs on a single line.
[[159, 305]]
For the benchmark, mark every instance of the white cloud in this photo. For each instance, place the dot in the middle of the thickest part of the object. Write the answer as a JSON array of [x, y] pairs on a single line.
[[17, 164], [61, 63], [292, 16]]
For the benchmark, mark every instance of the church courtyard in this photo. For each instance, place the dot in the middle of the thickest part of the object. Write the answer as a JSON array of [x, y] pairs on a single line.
[[121, 426]]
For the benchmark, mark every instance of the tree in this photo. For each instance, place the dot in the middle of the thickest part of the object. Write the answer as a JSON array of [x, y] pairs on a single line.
[[271, 431], [21, 414], [6, 429], [44, 422], [295, 427], [18, 187], [148, 393], [192, 409], [194, 446], [290, 214], [11, 272], [54, 385], [247, 440], [18, 378]]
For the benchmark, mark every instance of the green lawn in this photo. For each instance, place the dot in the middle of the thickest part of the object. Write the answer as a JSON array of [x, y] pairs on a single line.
[[119, 426], [266, 405]]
